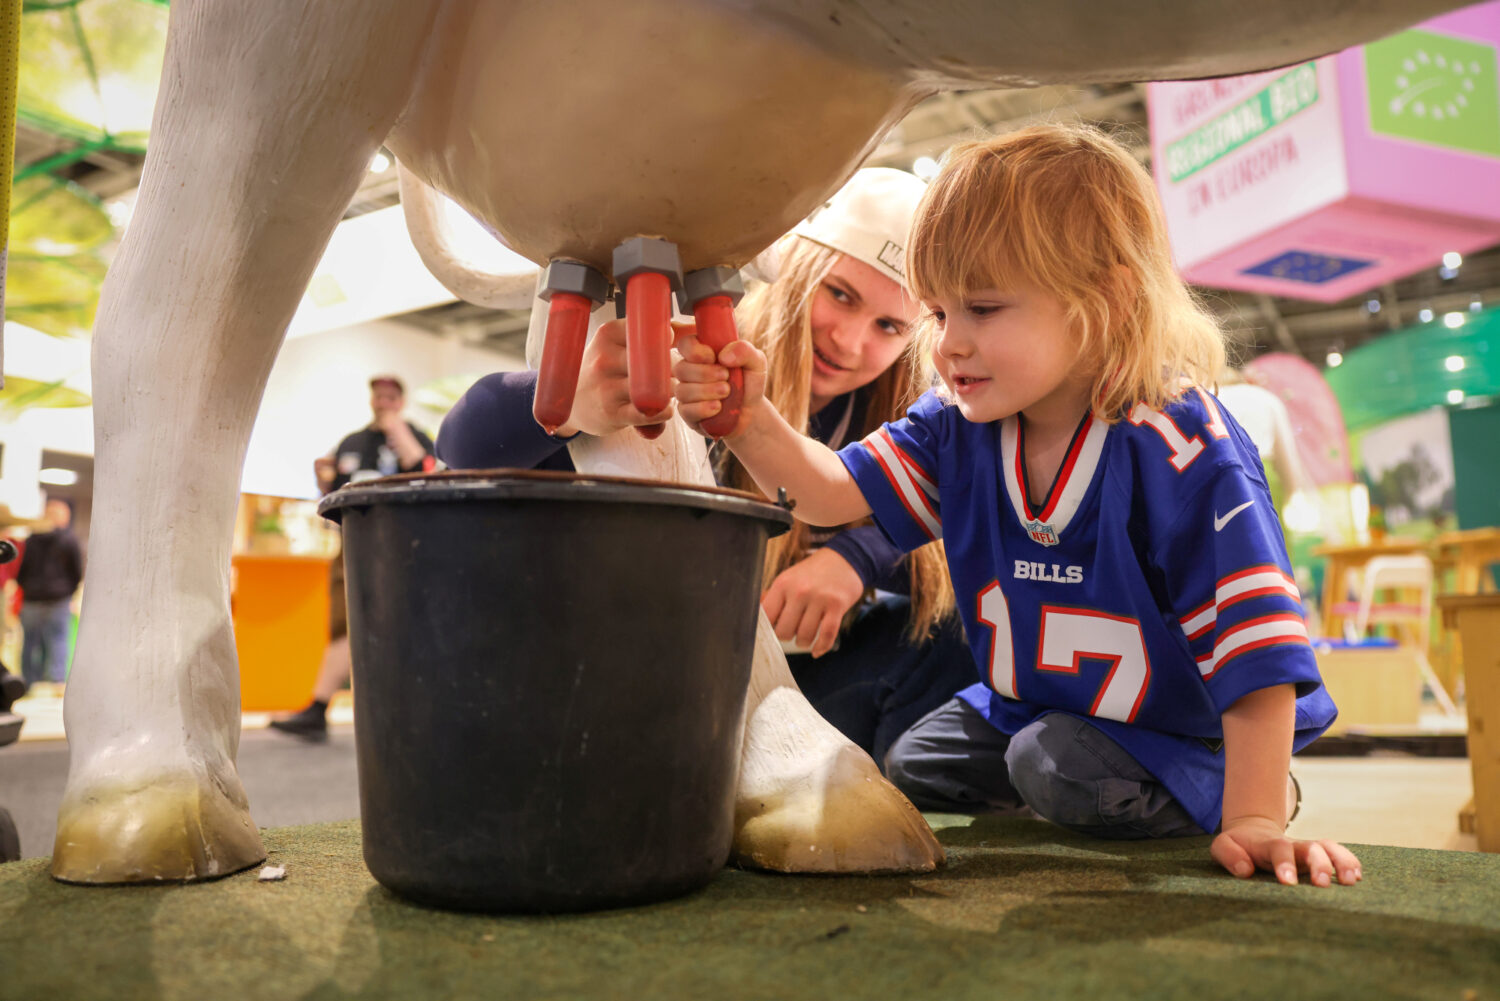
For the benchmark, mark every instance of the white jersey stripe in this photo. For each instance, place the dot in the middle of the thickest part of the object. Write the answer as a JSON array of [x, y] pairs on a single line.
[[1256, 583], [1249, 583], [1199, 623], [917, 473], [1252, 635], [896, 471]]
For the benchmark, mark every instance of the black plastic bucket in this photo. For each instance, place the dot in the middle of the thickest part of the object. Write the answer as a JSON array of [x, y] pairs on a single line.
[[550, 674]]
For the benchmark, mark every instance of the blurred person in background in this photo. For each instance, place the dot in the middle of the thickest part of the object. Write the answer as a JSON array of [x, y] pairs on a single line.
[[51, 570], [389, 444]]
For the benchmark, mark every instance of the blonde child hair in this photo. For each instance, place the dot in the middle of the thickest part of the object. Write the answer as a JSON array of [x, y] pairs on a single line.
[[777, 319], [1066, 209]]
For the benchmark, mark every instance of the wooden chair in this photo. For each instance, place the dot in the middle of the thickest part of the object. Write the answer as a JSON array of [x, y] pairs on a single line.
[[1408, 611]]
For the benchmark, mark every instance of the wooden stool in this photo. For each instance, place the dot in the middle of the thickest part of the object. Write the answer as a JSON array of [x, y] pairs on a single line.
[[1477, 619]]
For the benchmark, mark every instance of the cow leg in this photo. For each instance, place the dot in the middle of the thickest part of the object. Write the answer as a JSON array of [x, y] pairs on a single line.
[[808, 799], [267, 118]]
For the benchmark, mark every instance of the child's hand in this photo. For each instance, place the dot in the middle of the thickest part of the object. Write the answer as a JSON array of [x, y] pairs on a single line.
[[1251, 843], [602, 404], [703, 381], [807, 602]]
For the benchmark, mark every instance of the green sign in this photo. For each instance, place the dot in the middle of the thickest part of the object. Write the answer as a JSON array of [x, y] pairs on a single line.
[[1257, 114], [1435, 89]]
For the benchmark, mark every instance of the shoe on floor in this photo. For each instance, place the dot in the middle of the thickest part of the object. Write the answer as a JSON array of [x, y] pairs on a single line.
[[10, 839], [309, 724], [12, 688]]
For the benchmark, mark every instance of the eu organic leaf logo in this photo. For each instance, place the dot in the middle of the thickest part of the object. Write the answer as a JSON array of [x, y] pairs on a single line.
[[1435, 89]]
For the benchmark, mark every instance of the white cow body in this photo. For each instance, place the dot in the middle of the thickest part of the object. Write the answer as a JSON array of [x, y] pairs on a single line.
[[566, 126]]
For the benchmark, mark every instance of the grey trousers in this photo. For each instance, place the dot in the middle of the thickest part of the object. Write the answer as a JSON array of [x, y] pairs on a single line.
[[1058, 768]]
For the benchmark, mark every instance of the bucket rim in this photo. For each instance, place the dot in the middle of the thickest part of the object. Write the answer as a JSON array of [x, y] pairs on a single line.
[[546, 484]]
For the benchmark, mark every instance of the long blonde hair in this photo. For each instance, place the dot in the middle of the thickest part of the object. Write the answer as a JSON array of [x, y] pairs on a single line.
[[777, 318], [1066, 209]]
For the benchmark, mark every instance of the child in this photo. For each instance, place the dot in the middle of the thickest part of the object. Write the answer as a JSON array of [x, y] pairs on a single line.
[[1116, 558]]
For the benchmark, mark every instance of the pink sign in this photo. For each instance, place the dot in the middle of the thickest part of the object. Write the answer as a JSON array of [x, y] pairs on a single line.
[[1317, 419], [1326, 179]]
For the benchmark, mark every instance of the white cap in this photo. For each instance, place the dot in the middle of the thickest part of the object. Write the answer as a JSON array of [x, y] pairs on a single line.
[[870, 219]]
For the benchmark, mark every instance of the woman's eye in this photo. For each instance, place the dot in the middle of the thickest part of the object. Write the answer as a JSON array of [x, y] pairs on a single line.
[[983, 309], [937, 314], [838, 294]]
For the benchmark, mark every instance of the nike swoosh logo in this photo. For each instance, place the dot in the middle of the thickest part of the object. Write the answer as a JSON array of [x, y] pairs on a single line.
[[1219, 523]]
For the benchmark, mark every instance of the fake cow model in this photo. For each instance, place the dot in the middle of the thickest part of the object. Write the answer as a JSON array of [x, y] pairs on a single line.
[[568, 127]]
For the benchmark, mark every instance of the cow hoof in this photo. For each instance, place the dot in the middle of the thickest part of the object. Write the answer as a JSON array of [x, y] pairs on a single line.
[[824, 809], [178, 827]]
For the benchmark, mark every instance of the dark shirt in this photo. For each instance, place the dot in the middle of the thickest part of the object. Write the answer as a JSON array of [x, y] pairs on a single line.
[[368, 451], [51, 566]]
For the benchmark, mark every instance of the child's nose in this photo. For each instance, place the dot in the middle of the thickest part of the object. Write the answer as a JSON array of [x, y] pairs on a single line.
[[949, 344]]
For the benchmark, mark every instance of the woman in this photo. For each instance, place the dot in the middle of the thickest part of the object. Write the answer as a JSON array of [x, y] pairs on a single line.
[[871, 635]]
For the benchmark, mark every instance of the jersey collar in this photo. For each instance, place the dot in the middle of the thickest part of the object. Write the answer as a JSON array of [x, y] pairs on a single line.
[[1073, 477]]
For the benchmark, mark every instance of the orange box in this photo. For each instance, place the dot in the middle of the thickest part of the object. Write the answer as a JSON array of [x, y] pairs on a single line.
[[280, 606]]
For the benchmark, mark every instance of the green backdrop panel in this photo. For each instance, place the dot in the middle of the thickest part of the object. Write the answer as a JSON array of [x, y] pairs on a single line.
[[1405, 371], [1476, 465]]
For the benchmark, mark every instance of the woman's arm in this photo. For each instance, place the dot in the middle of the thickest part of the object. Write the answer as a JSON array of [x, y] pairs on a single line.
[[491, 426]]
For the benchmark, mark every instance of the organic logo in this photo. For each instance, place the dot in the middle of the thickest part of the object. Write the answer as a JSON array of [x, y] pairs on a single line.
[[1435, 89]]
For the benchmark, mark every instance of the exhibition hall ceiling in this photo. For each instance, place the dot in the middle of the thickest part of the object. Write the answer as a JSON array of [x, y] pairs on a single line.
[[1256, 323]]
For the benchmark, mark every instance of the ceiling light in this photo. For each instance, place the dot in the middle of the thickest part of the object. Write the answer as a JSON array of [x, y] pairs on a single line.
[[55, 477], [1454, 363], [1425, 315], [1455, 396], [925, 167], [1452, 259], [1334, 359], [1447, 274], [1372, 305], [380, 163], [1453, 320], [1475, 305]]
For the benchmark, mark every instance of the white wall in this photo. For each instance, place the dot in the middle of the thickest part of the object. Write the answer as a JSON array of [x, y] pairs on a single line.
[[319, 392]]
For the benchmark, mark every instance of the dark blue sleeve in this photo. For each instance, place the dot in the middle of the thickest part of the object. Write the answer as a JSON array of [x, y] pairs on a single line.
[[491, 426], [876, 559]]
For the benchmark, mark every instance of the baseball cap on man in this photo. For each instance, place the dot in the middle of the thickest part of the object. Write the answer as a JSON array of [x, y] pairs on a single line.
[[388, 380], [869, 219]]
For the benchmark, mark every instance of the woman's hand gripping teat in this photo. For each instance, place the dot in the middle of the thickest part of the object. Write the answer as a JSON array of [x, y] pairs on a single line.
[[602, 405]]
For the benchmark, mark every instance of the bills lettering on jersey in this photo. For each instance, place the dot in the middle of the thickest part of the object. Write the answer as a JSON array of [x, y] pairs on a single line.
[[1027, 570]]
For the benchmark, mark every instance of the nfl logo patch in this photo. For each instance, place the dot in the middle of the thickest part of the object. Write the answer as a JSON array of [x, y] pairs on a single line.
[[1041, 532]]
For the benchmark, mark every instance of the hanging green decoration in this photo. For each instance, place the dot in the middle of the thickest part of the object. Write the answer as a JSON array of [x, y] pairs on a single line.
[[58, 232], [21, 393], [90, 69]]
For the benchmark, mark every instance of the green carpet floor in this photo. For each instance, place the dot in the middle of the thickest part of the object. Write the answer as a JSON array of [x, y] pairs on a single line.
[[1022, 910]]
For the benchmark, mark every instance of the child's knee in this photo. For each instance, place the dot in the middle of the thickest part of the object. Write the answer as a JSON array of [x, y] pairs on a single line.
[[1040, 760], [1075, 777]]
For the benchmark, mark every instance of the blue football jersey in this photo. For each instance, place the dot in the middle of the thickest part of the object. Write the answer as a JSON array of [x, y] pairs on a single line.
[[1147, 593]]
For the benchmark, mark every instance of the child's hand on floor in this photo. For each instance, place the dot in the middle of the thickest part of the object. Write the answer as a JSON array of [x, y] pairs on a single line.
[[703, 380], [1249, 843]]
